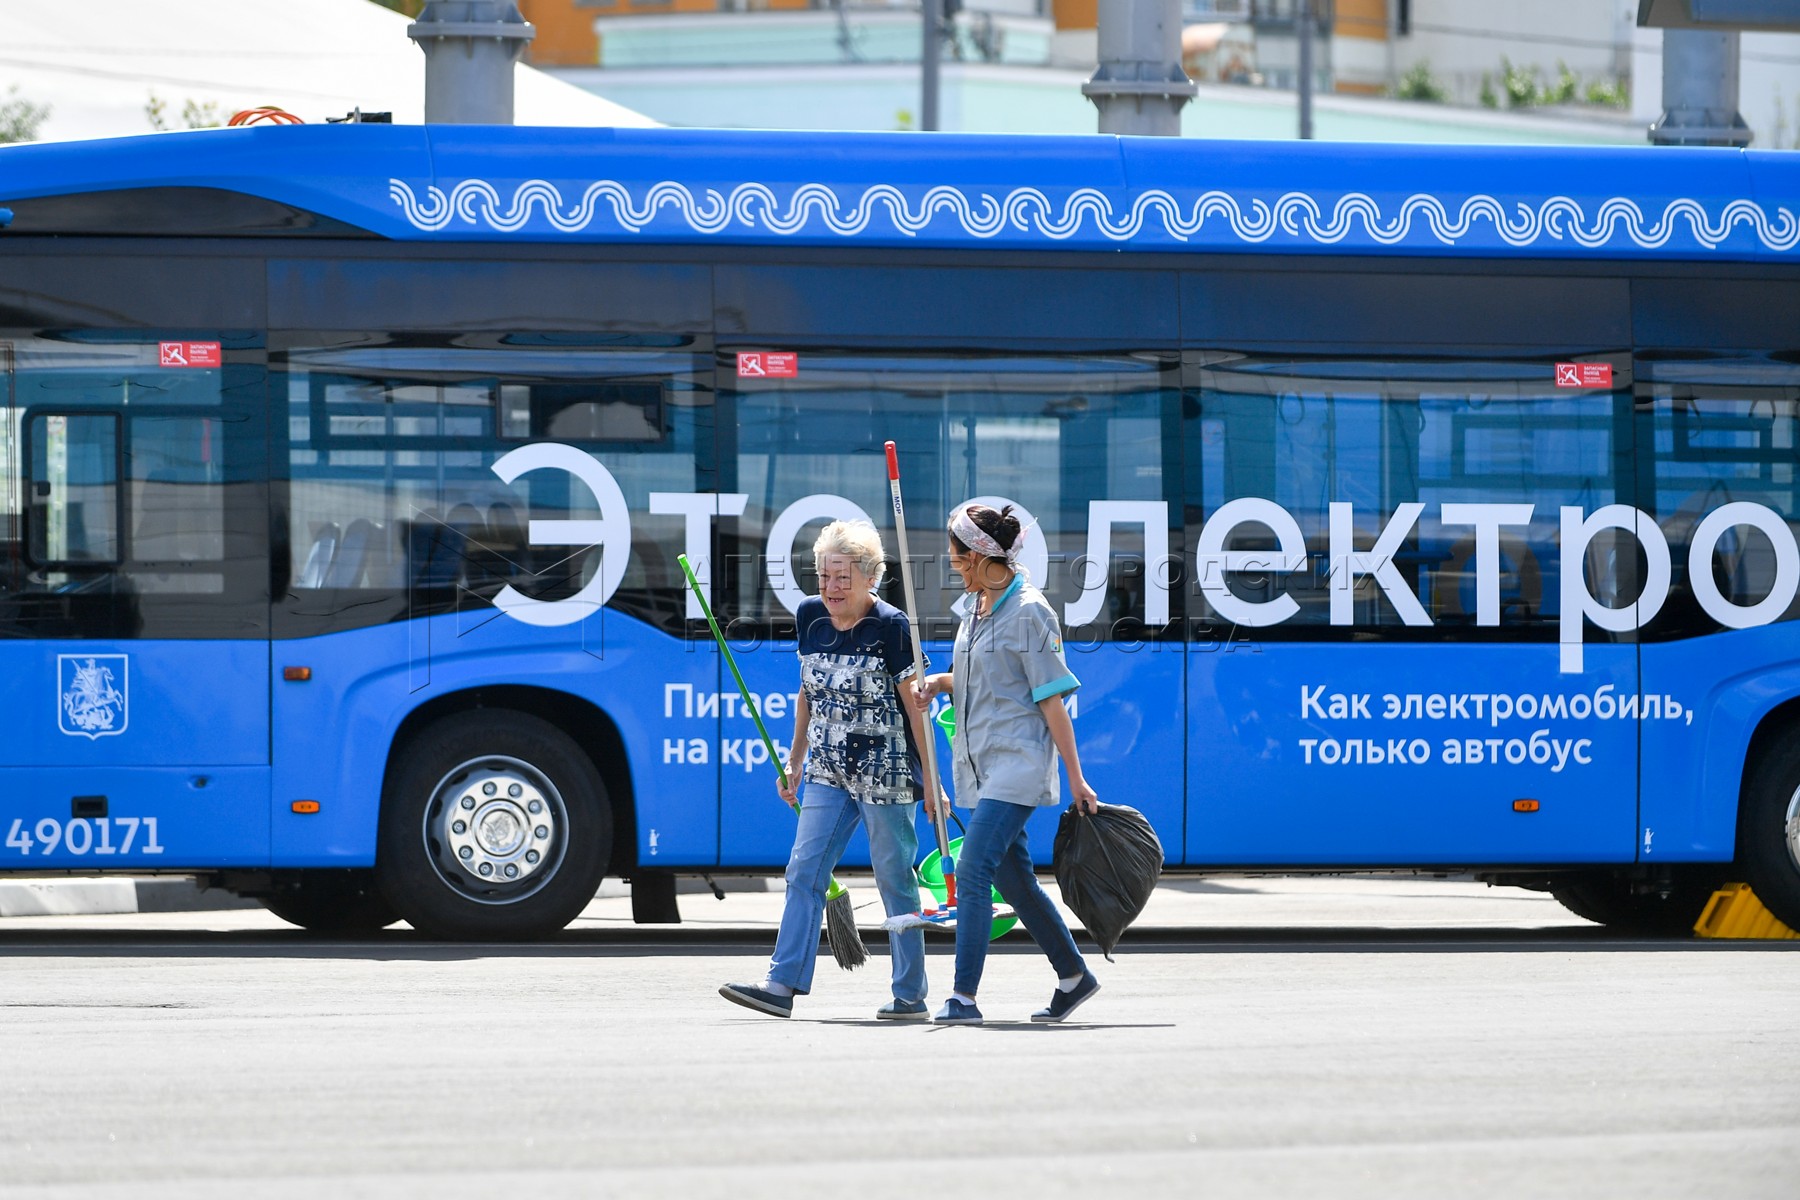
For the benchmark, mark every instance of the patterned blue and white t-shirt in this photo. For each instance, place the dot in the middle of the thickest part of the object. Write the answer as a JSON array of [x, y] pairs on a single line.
[[857, 735]]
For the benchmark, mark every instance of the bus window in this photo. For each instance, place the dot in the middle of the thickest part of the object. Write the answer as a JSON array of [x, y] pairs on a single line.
[[1051, 435], [73, 485], [142, 487], [394, 507], [1725, 430], [1366, 439]]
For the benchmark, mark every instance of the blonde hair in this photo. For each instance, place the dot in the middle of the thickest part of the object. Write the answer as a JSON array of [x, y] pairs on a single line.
[[857, 541]]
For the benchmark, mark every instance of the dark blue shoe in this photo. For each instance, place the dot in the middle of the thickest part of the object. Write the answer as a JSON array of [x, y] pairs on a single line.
[[903, 1010], [1063, 1003], [955, 1012], [751, 996]]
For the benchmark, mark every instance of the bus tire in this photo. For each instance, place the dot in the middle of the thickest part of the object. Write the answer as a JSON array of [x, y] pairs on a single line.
[[1609, 899], [1769, 830], [330, 901], [494, 826]]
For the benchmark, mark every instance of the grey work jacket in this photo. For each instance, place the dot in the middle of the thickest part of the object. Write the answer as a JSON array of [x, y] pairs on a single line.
[[1005, 663]]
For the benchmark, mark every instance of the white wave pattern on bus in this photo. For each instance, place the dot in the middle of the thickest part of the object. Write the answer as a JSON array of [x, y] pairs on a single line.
[[814, 208]]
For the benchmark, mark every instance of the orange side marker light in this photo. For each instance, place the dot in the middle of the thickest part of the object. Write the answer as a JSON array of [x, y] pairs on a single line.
[[1525, 805], [305, 806], [296, 674]]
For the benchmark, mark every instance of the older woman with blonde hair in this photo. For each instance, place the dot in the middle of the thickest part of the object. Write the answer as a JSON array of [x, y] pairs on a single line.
[[854, 759]]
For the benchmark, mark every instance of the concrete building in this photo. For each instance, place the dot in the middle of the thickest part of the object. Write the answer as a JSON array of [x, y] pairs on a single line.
[[1017, 66]]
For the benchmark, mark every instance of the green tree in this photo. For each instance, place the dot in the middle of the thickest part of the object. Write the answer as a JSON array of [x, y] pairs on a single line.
[[1566, 89], [1420, 84], [195, 114], [409, 7], [1520, 84], [1608, 93], [20, 119]]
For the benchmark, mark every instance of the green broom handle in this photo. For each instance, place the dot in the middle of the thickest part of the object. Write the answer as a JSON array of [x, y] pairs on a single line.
[[719, 637], [834, 889]]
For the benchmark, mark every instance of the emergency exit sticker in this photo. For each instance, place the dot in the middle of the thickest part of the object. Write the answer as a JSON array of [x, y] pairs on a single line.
[[768, 364], [188, 354], [1584, 375]]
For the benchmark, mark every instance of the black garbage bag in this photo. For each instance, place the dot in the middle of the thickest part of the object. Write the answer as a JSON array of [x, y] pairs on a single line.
[[1107, 866]]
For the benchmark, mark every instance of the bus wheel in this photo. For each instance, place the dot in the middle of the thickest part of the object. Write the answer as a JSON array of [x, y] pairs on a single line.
[[494, 824], [1611, 900], [326, 901], [1769, 830]]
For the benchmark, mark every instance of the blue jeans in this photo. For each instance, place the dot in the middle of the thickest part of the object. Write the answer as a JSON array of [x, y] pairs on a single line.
[[828, 817], [995, 854]]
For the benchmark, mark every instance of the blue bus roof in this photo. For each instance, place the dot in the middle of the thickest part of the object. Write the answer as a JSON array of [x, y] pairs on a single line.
[[965, 191]]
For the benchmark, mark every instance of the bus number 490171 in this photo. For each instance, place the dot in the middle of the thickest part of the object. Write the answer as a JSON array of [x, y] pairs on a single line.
[[84, 835]]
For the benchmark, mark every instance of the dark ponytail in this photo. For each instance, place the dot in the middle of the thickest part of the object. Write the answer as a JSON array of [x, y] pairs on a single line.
[[1002, 526]]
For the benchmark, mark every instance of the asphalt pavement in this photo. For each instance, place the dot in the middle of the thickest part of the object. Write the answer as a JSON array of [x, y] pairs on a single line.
[[1257, 1037]]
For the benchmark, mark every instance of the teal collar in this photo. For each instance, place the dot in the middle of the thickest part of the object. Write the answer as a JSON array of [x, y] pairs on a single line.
[[1017, 579]]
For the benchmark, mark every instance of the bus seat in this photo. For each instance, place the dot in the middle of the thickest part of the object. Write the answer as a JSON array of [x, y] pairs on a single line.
[[162, 533], [468, 531], [382, 567], [318, 559], [351, 559], [505, 532]]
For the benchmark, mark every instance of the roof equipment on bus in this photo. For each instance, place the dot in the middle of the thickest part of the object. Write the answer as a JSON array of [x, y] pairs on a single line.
[[267, 114], [840, 917]]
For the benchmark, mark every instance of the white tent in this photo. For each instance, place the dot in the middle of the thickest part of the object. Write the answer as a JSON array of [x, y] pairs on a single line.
[[97, 64]]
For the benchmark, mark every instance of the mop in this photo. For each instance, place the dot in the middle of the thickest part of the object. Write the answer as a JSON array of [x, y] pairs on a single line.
[[928, 745], [840, 918]]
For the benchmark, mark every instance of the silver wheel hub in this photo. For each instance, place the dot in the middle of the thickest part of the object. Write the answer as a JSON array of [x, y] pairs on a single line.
[[496, 828], [1793, 828]]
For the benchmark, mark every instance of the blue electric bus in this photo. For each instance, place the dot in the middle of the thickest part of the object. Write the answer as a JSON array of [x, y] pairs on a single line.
[[1406, 507]]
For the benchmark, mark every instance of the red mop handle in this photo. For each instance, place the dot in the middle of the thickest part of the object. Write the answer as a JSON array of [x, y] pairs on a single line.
[[928, 744]]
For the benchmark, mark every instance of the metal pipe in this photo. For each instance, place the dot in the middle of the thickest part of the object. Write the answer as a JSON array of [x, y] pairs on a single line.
[[471, 48], [1303, 24], [1139, 86], [930, 51], [1700, 91]]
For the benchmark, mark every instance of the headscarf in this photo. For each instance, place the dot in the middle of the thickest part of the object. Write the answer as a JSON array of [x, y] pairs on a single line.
[[966, 531]]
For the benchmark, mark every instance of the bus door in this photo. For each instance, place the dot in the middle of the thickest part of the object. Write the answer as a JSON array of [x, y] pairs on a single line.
[[1720, 430], [1380, 669], [1074, 442], [134, 610]]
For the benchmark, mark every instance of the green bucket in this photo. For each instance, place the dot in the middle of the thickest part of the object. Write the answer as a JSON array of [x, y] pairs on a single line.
[[946, 721], [931, 874]]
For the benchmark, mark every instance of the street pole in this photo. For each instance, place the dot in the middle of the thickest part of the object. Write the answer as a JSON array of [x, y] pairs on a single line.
[[471, 48], [1304, 27], [1700, 90], [929, 53], [1139, 86]]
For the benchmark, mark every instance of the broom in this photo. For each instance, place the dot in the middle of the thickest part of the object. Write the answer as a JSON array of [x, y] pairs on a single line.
[[840, 918]]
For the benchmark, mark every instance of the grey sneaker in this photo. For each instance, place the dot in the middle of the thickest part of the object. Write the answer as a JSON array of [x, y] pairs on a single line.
[[903, 1010], [955, 1012], [751, 996], [1063, 1003]]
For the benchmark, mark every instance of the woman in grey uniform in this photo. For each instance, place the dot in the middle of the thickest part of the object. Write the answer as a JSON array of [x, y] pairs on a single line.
[[1009, 678]]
